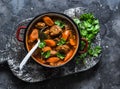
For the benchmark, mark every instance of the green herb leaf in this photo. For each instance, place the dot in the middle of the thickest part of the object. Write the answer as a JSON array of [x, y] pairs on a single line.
[[96, 21], [87, 24], [95, 51], [46, 54], [60, 55], [90, 37], [87, 16], [97, 26], [42, 44], [60, 23], [83, 32], [61, 42], [76, 20], [82, 56]]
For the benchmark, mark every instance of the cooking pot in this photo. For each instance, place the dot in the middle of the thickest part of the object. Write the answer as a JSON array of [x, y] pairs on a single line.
[[56, 15]]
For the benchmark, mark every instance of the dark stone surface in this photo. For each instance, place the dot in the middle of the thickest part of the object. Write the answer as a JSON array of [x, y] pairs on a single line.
[[32, 72], [105, 75]]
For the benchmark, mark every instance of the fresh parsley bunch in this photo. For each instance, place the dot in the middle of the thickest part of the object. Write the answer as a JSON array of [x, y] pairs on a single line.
[[89, 28]]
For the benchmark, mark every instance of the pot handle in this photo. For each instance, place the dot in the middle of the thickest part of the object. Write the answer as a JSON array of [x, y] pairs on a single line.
[[86, 46], [18, 33]]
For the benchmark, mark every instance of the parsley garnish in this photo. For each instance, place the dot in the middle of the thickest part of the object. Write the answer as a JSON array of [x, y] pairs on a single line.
[[60, 55], [60, 23], [42, 44], [89, 28], [61, 42], [46, 54]]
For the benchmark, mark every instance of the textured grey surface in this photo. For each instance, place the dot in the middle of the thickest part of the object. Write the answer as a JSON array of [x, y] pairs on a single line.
[[34, 72], [106, 75]]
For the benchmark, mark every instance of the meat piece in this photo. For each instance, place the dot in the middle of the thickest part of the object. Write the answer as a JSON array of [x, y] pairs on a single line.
[[40, 25], [57, 39], [53, 52], [55, 30], [63, 48], [47, 31], [67, 27], [37, 52]]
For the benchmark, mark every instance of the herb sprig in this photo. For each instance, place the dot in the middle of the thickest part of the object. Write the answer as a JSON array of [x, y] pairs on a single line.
[[89, 28], [60, 23], [46, 54], [60, 55], [42, 44], [61, 42]]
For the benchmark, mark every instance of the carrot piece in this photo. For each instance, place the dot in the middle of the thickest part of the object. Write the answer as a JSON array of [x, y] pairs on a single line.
[[72, 42], [66, 34], [50, 42], [52, 64], [60, 62], [34, 35], [69, 54], [40, 60], [45, 49], [53, 59], [48, 21]]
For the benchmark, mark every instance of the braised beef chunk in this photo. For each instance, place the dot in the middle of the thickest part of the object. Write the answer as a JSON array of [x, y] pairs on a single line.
[[53, 52], [47, 31], [67, 27], [55, 30], [40, 25], [63, 48]]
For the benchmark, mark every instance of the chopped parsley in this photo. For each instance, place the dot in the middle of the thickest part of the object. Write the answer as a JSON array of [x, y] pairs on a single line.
[[61, 42], [89, 28], [60, 23], [60, 55], [42, 44], [46, 54]]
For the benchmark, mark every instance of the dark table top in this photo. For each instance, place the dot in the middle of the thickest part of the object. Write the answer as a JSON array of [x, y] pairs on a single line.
[[105, 75]]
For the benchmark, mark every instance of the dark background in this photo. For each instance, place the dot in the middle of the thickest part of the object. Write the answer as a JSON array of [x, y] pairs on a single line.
[[105, 75]]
